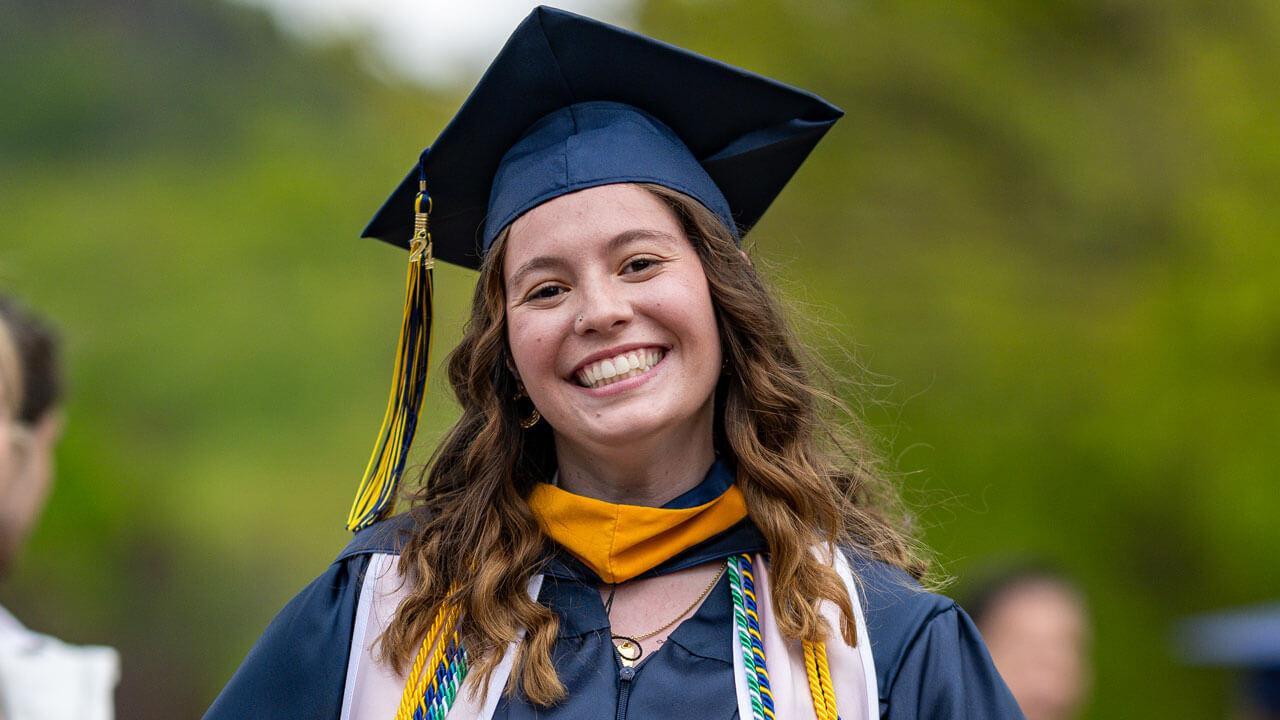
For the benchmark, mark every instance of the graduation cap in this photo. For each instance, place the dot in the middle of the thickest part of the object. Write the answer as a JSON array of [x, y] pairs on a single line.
[[1247, 641], [571, 103]]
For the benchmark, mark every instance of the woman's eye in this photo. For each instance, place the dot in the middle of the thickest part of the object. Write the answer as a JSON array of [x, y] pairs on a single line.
[[639, 265], [545, 292]]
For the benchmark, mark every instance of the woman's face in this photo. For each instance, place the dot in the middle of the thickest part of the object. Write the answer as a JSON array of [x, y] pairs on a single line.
[[7, 443], [610, 320], [12, 520]]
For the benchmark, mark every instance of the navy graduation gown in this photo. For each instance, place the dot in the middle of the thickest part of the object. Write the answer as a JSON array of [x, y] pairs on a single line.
[[931, 664]]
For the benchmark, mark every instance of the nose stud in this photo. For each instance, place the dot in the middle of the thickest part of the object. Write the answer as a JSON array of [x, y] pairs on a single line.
[[579, 318]]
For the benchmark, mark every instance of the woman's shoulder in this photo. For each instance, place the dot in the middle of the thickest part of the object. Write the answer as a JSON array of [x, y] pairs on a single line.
[[299, 664], [892, 597], [928, 654], [896, 607], [384, 536]]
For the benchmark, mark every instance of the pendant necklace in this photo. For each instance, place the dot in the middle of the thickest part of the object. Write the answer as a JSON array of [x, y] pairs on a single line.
[[628, 646]]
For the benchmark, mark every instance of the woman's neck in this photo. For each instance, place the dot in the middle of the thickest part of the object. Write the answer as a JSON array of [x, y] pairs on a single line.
[[650, 476]]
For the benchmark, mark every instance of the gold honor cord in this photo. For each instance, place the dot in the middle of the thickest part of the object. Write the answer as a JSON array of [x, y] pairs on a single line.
[[376, 497], [819, 674], [437, 671]]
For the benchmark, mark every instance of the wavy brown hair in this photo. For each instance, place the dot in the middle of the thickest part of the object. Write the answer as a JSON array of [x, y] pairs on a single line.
[[808, 478]]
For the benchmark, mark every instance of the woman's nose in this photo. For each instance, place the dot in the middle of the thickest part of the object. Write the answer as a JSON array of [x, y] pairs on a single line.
[[602, 309]]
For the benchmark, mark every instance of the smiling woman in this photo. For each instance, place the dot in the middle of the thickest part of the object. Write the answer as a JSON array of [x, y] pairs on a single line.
[[647, 508]]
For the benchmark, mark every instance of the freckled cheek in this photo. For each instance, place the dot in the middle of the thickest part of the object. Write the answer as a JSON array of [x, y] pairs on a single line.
[[534, 351]]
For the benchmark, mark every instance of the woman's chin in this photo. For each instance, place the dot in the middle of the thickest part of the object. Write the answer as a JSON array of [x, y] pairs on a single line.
[[642, 426], [611, 433]]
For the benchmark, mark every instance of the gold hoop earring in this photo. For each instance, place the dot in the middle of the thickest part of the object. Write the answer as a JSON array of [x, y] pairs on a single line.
[[532, 418]]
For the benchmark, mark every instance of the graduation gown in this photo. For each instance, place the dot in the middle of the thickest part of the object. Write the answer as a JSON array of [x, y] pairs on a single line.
[[930, 662]]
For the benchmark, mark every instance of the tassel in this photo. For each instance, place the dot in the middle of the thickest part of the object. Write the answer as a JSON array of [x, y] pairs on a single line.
[[376, 496]]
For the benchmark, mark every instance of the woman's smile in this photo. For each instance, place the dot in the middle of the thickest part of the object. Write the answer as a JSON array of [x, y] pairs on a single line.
[[614, 369]]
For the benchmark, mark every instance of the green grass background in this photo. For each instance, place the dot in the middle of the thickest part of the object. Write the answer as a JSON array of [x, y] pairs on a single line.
[[1046, 231]]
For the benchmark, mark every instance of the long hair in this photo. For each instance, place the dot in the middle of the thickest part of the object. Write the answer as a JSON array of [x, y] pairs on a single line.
[[808, 482]]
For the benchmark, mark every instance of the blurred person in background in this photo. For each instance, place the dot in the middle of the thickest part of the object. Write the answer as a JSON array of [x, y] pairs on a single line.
[[1035, 622], [40, 676]]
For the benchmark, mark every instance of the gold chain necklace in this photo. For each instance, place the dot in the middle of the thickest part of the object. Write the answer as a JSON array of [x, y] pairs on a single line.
[[628, 646]]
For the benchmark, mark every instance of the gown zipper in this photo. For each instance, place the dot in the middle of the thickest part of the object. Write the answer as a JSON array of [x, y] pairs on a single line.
[[625, 676]]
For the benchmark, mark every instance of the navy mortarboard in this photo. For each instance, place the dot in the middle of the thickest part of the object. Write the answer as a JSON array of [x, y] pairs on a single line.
[[571, 103]]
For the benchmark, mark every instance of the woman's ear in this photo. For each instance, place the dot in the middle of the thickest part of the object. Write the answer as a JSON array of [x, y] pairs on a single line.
[[511, 366], [746, 257]]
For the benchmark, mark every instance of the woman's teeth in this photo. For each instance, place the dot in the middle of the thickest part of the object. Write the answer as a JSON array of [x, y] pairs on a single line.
[[629, 364]]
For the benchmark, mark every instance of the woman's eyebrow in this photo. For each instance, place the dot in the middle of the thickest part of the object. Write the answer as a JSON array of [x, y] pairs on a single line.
[[542, 262], [631, 236], [622, 239]]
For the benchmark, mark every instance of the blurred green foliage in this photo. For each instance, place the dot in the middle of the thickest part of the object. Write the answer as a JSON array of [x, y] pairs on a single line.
[[1048, 230]]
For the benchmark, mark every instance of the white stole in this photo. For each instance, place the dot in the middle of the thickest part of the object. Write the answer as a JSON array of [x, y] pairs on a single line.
[[373, 689]]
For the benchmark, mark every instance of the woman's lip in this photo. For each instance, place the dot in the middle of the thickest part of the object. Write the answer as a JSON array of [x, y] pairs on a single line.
[[614, 352], [622, 385]]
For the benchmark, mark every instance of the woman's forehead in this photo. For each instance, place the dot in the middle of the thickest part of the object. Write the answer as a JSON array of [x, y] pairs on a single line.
[[596, 220]]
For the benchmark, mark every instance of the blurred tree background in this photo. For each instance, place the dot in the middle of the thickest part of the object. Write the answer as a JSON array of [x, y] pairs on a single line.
[[1047, 230]]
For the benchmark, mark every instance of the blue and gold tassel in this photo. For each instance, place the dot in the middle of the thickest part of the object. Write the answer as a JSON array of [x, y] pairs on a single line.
[[376, 496]]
